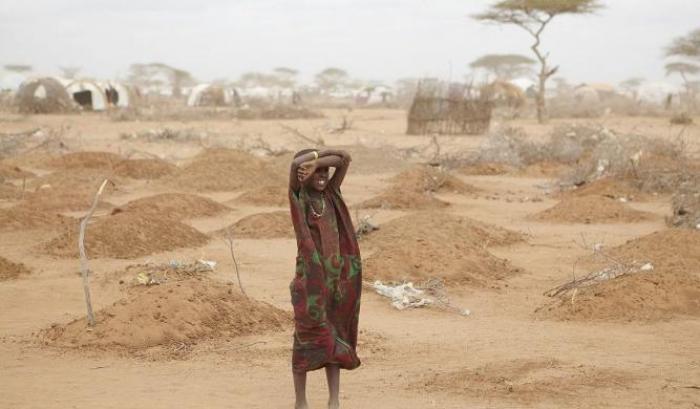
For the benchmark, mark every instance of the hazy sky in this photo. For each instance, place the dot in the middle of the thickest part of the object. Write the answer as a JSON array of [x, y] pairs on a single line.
[[371, 39]]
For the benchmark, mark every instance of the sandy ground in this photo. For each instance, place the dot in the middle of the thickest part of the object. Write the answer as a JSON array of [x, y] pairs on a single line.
[[501, 356]]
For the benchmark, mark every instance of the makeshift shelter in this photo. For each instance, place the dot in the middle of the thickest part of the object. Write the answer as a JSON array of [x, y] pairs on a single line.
[[210, 95], [42, 96], [448, 109], [118, 95], [87, 94]]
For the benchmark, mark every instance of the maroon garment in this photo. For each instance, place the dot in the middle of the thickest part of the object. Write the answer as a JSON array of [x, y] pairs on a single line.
[[328, 283]]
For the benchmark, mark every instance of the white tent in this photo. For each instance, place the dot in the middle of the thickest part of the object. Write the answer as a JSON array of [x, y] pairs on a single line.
[[88, 94]]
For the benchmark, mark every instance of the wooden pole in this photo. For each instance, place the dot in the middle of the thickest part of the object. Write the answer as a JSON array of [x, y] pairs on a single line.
[[84, 269]]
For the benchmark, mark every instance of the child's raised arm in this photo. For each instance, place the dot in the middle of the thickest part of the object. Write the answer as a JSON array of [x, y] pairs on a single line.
[[341, 164], [294, 174]]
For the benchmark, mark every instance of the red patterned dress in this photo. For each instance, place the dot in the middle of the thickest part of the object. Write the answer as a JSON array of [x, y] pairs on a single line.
[[328, 283]]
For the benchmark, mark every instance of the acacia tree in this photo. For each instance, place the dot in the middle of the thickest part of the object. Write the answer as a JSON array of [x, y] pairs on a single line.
[[686, 48], [533, 16], [18, 68], [331, 78], [684, 69], [504, 66], [258, 79], [157, 74], [631, 85], [286, 76]]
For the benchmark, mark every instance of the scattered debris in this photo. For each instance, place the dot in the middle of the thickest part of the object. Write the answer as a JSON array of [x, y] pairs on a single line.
[[405, 295]]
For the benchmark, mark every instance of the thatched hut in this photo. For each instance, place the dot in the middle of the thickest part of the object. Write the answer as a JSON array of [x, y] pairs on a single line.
[[43, 96]]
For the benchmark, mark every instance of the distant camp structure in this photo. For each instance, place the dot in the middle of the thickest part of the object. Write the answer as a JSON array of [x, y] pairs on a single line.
[[448, 109], [43, 95], [97, 96], [209, 95]]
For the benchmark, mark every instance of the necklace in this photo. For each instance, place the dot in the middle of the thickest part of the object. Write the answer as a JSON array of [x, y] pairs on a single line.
[[323, 207]]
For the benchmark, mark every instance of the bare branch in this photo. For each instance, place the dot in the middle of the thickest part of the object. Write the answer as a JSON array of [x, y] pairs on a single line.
[[84, 269], [229, 239]]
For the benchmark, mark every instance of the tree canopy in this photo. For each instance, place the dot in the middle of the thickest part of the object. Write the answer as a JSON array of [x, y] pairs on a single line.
[[687, 46], [504, 66], [152, 74], [682, 68], [531, 13], [18, 67], [331, 77]]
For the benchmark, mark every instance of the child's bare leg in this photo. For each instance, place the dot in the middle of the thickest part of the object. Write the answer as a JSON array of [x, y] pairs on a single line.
[[300, 390], [333, 378]]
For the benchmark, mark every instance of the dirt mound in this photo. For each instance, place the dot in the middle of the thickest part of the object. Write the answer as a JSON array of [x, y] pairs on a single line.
[[22, 218], [591, 209], [414, 189], [608, 187], [273, 196], [671, 288], [527, 381], [225, 170], [144, 168], [178, 312], [486, 169], [10, 270], [442, 227], [9, 191], [175, 206], [126, 235], [86, 160], [395, 198], [14, 172], [69, 190], [422, 246], [272, 225], [424, 178]]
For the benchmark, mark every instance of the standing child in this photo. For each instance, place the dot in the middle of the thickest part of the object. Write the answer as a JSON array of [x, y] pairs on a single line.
[[328, 282]]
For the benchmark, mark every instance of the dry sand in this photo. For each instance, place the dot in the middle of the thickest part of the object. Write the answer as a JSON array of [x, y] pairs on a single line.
[[194, 342]]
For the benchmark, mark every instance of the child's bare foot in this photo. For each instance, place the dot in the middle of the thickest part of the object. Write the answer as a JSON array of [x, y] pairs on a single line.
[[301, 405], [334, 405]]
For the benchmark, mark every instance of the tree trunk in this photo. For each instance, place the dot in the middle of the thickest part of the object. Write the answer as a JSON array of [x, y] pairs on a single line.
[[540, 99]]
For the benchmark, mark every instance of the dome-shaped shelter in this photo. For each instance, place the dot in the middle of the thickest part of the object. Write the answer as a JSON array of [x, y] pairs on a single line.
[[43, 96], [118, 94], [210, 95], [89, 95]]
